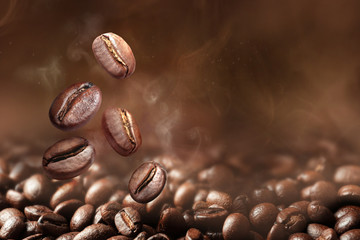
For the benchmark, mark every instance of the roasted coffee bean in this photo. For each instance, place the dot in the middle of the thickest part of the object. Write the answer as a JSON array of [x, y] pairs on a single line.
[[114, 55], [12, 228], [263, 195], [109, 210], [214, 235], [193, 234], [159, 236], [53, 224], [347, 174], [219, 177], [201, 195], [302, 207], [142, 236], [37, 188], [309, 177], [241, 204], [68, 158], [98, 217], [121, 131], [210, 218], [16, 199], [349, 194], [31, 228], [345, 210], [67, 236], [101, 190], [130, 202], [3, 203], [34, 212], [199, 205], [300, 236], [351, 235], [287, 191], [171, 222], [147, 182], [293, 220], [128, 221], [328, 234], [236, 226], [68, 207], [189, 218], [324, 192], [220, 198], [38, 236], [348, 221], [318, 213], [184, 195], [254, 236], [96, 232], [262, 217], [118, 196], [21, 171], [75, 106], [7, 213], [278, 232], [153, 208], [120, 238], [315, 230], [82, 217], [70, 190]]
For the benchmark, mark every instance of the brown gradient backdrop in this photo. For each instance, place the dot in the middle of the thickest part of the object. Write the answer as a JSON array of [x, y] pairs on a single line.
[[246, 74]]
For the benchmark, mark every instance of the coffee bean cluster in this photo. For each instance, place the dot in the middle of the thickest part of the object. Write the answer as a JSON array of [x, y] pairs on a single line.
[[269, 195]]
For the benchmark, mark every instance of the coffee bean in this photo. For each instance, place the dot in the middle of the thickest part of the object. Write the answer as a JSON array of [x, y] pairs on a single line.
[[37, 188], [254, 236], [219, 177], [7, 213], [236, 226], [38, 236], [70, 190], [302, 207], [5, 183], [293, 220], [287, 191], [318, 213], [261, 195], [345, 210], [21, 171], [328, 234], [278, 232], [101, 190], [75, 106], [241, 204], [120, 238], [67, 236], [34, 212], [141, 236], [349, 194], [309, 177], [201, 195], [68, 207], [324, 192], [98, 216], [12, 228], [31, 228], [53, 224], [96, 232], [347, 174], [68, 158], [118, 196], [351, 235], [128, 221], [16, 199], [348, 221], [146, 182], [171, 222], [262, 217], [210, 218], [315, 230], [193, 234], [130, 202], [300, 236], [154, 207], [121, 131], [114, 55], [109, 210], [82, 217], [220, 198], [184, 195]]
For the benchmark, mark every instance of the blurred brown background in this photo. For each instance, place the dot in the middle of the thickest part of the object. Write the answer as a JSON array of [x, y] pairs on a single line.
[[246, 74]]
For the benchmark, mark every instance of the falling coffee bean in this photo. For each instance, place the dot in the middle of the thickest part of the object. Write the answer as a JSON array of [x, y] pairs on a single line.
[[68, 158], [75, 106], [121, 131], [114, 54], [147, 182]]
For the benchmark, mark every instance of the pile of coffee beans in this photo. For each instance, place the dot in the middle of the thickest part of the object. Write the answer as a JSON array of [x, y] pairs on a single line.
[[264, 195]]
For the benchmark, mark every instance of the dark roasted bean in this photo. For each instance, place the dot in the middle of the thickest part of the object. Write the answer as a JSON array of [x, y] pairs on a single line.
[[68, 207], [300, 236], [193, 234], [16, 199], [236, 226], [68, 158], [70, 190], [159, 236], [121, 131], [324, 192], [34, 212], [347, 174], [7, 213], [147, 182], [318, 213], [38, 236], [287, 191], [108, 212], [31, 228], [263, 195], [210, 218], [351, 235], [309, 177], [128, 221], [349, 194], [37, 188], [5, 183], [278, 232], [241, 204], [328, 234], [315, 230], [114, 54], [185, 194], [82, 217], [262, 217], [171, 222], [345, 210], [53, 224], [293, 220], [100, 191], [96, 232], [67, 236], [220, 198], [142, 236], [75, 106], [12, 228], [348, 221]]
